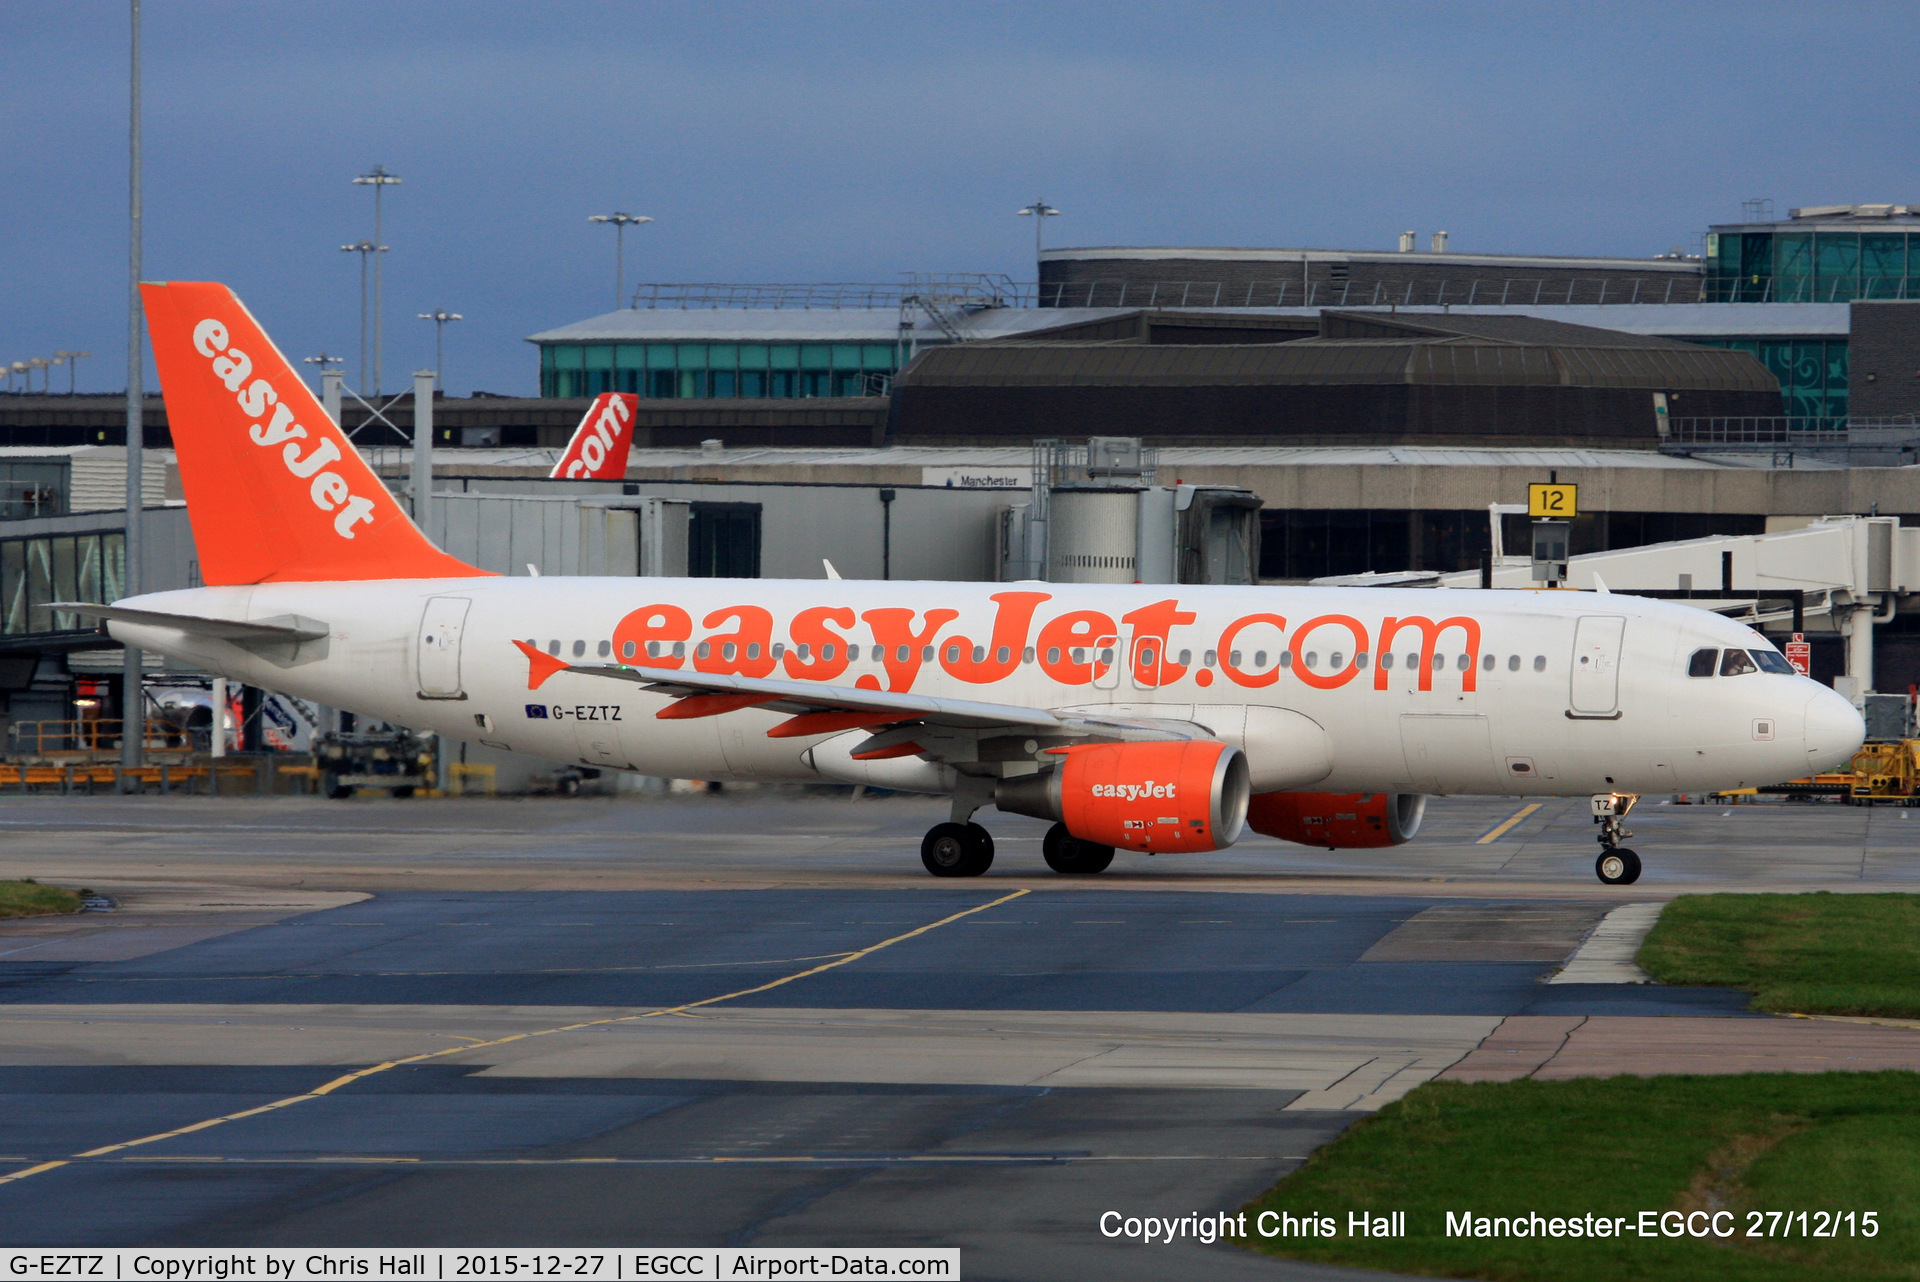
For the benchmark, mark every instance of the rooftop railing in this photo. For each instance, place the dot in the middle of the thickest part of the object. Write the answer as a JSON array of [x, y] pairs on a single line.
[[1743, 289], [961, 289], [1490, 292], [965, 291], [1788, 433]]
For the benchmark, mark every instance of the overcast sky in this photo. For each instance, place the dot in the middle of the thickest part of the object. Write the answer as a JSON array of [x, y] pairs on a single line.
[[856, 141]]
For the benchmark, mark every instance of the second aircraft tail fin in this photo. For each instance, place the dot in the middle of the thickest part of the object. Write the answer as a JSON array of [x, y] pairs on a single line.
[[598, 450]]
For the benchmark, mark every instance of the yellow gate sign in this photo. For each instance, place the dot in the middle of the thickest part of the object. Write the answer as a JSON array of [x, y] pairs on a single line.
[[1553, 500]]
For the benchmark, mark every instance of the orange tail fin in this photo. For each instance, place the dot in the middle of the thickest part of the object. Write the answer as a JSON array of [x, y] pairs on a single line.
[[598, 450], [275, 491]]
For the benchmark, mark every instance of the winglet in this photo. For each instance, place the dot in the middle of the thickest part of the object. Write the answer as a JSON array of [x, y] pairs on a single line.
[[540, 664]]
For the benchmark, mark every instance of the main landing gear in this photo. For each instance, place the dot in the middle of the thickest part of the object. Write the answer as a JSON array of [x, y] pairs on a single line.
[[1066, 853], [957, 850], [1617, 866], [962, 848]]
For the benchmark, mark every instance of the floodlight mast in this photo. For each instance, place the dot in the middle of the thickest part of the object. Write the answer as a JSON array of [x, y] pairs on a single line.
[[440, 316], [620, 221], [364, 248], [1039, 211], [133, 694], [73, 376], [379, 179]]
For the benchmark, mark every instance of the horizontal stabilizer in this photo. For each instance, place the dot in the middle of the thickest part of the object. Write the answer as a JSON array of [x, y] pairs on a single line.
[[286, 629]]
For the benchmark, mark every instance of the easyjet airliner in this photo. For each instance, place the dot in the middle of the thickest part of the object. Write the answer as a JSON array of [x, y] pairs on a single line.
[[1153, 718]]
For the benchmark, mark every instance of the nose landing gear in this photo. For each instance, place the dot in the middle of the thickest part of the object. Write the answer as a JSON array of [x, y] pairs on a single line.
[[1616, 866]]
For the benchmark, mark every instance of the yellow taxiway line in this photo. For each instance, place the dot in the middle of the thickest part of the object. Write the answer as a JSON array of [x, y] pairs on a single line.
[[347, 1079], [1501, 831]]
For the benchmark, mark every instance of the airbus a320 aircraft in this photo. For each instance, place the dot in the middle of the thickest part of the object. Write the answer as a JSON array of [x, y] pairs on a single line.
[[1153, 718]]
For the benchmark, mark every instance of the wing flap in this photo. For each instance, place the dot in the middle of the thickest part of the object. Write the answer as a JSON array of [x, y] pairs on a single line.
[[807, 697]]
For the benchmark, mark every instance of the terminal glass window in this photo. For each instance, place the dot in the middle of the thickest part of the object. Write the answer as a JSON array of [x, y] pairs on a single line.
[[1812, 266], [1883, 265], [719, 369], [73, 567], [1812, 372], [32, 489], [1836, 261], [1792, 263]]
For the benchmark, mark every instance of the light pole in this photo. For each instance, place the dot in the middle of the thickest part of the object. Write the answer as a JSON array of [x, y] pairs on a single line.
[[37, 363], [20, 368], [440, 316], [73, 374], [364, 248], [621, 221], [1039, 211], [323, 360], [379, 179], [133, 689]]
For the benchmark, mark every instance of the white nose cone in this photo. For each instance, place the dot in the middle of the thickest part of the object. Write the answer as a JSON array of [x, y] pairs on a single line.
[[1835, 731]]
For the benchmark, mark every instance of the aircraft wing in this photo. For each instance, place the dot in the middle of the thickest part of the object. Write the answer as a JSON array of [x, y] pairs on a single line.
[[815, 708]]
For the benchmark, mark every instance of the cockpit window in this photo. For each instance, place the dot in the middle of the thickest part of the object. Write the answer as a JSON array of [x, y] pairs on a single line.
[[1701, 664], [1736, 663], [1774, 661]]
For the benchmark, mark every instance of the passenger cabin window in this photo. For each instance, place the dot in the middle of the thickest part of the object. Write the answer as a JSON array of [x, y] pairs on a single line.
[[1736, 663], [1774, 661], [1701, 664]]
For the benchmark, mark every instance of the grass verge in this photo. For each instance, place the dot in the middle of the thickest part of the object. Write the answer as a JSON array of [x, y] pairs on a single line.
[[1619, 1147], [31, 899], [1816, 954]]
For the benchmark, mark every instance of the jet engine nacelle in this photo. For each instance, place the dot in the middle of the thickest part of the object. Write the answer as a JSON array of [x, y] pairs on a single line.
[[1338, 820], [1157, 797]]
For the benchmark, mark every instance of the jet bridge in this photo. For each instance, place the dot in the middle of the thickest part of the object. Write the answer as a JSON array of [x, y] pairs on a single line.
[[1838, 574]]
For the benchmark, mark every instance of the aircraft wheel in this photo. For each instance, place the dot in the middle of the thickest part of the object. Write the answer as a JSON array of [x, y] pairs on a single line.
[[1618, 867], [1066, 853], [957, 850]]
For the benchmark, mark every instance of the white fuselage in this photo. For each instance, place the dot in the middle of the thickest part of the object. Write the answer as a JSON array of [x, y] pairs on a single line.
[[1549, 704]]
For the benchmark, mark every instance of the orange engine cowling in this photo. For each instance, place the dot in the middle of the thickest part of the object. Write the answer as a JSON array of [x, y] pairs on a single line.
[[1338, 820], [1158, 797]]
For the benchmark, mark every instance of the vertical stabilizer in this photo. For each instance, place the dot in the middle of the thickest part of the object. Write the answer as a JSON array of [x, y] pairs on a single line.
[[598, 450], [275, 490]]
